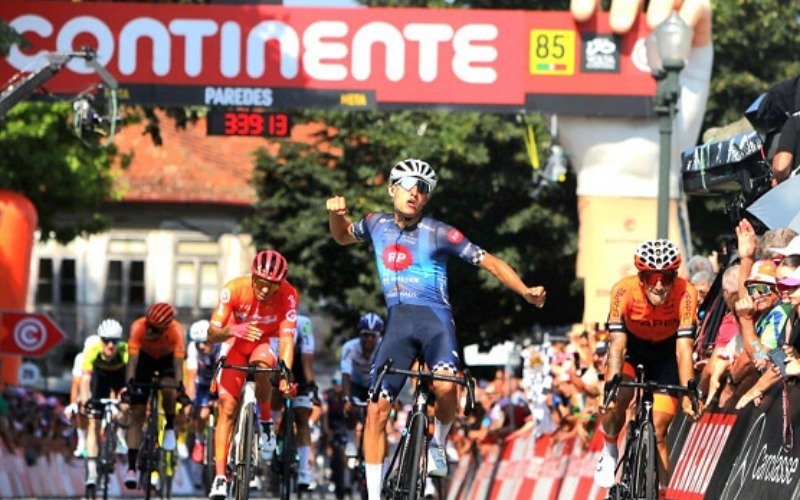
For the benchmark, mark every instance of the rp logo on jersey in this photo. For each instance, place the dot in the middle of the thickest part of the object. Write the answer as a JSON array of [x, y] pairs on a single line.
[[454, 236], [397, 257]]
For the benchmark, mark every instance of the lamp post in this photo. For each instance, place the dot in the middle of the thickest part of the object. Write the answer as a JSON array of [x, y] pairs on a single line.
[[667, 51]]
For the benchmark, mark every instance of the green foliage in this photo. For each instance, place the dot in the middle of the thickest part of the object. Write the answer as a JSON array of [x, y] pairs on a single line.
[[484, 190], [41, 158]]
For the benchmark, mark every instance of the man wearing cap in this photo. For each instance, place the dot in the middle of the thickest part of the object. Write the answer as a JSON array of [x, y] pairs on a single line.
[[761, 316], [787, 287]]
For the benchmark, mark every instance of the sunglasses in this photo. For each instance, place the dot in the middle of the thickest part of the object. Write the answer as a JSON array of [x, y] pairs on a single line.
[[110, 341], [651, 278], [369, 334], [759, 289], [408, 184], [261, 282], [787, 288]]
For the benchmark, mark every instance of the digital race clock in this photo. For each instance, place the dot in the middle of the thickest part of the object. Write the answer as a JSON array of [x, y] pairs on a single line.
[[248, 123]]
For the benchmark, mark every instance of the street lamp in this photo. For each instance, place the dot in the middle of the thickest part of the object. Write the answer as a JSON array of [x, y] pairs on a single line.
[[667, 52]]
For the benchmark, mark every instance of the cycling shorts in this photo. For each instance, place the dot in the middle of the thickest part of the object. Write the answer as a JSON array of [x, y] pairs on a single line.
[[359, 393], [203, 396], [660, 365], [146, 367], [415, 332], [230, 381], [103, 382]]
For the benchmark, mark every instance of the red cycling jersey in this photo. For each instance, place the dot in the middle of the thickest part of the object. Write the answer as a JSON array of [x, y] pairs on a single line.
[[632, 313], [276, 316]]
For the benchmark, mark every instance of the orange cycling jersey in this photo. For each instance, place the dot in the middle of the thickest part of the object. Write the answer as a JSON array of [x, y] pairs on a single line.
[[169, 342], [276, 316], [631, 312]]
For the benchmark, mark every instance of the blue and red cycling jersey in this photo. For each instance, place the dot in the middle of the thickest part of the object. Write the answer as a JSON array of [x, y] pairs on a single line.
[[412, 262]]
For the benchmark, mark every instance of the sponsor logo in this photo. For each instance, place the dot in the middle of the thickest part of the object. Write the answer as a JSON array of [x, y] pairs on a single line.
[[225, 296], [325, 50], [745, 461], [454, 236], [291, 315], [353, 99], [238, 96], [397, 257], [30, 334], [776, 468], [600, 53]]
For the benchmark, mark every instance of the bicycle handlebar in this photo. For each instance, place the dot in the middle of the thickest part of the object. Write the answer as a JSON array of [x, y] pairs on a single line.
[[253, 369], [649, 386], [465, 381]]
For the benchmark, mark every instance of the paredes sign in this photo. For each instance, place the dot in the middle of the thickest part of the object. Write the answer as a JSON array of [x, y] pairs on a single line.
[[357, 58]]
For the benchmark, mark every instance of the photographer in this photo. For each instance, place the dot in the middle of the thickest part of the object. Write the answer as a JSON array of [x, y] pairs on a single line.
[[787, 157]]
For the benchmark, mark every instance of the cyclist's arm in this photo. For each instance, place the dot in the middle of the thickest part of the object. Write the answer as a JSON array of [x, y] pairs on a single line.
[[508, 277], [86, 386], [346, 385], [133, 360], [191, 369], [616, 353], [340, 226], [308, 366], [177, 364], [683, 351]]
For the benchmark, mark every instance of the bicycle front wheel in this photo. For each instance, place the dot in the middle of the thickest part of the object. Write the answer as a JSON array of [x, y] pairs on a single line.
[[209, 469], [107, 456], [645, 464], [244, 455]]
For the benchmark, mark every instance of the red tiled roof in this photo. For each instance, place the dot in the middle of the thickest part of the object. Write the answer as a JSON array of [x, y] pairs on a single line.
[[190, 166]]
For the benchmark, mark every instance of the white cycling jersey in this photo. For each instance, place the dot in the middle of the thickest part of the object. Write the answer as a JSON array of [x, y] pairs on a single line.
[[356, 363]]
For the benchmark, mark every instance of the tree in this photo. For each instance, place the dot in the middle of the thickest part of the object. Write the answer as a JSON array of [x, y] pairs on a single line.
[[41, 158]]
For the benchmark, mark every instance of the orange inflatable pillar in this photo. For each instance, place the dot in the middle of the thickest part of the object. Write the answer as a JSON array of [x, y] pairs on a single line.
[[18, 223]]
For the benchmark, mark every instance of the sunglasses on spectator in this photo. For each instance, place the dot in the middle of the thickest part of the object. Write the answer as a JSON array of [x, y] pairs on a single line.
[[408, 184], [110, 341], [758, 289], [787, 288], [651, 278]]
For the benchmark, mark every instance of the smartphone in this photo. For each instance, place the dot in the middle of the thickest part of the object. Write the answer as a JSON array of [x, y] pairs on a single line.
[[778, 357]]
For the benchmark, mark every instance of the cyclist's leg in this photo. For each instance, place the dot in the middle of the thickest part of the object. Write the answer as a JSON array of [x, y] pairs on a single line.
[[229, 385], [264, 356], [439, 351], [302, 414], [397, 344], [100, 388], [168, 397], [437, 332], [611, 425], [145, 368], [664, 370]]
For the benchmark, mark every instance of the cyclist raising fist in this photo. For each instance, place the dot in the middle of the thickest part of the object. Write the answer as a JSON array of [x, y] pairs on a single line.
[[412, 253]]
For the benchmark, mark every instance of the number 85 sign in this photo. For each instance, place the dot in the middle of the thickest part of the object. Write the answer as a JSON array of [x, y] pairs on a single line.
[[552, 52]]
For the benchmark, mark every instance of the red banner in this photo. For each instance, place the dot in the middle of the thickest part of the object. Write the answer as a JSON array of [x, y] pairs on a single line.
[[378, 58]]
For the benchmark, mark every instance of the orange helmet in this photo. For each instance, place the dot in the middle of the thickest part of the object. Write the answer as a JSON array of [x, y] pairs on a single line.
[[657, 255], [160, 315], [269, 265]]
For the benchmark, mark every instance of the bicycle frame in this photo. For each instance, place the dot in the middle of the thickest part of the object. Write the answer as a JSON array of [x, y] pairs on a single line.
[[243, 452], [150, 452], [108, 451], [408, 467], [638, 465]]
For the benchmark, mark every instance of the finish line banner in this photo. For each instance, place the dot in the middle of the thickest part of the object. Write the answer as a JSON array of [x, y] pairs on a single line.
[[361, 59]]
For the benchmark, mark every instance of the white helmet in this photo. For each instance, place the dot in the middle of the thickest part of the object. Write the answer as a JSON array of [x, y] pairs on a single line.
[[198, 332], [413, 168], [110, 329]]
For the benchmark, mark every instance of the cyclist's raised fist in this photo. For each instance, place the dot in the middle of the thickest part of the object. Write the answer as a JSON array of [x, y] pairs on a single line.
[[337, 205]]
